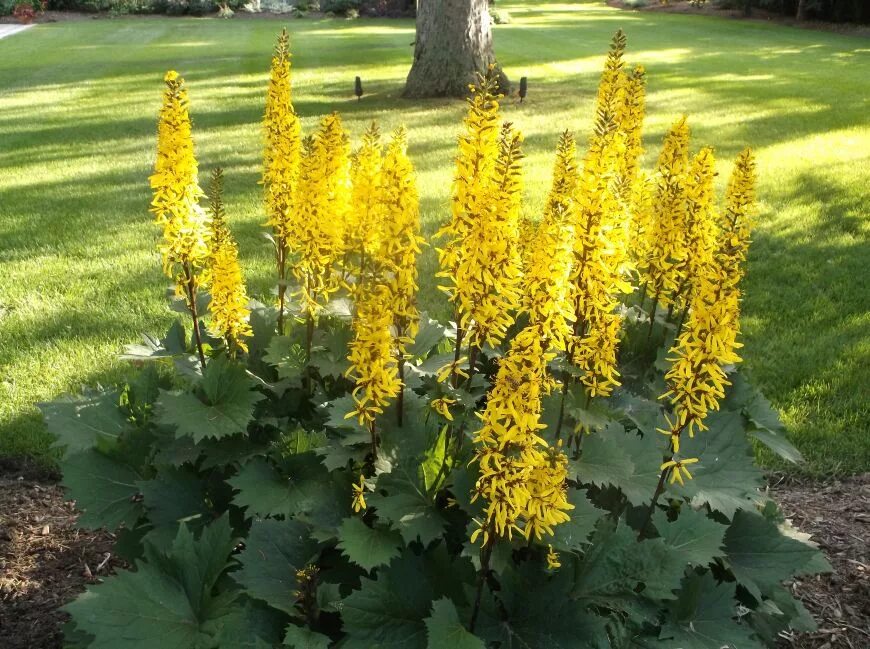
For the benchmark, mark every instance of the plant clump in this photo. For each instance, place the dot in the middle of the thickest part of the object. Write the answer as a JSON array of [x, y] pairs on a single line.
[[568, 463]]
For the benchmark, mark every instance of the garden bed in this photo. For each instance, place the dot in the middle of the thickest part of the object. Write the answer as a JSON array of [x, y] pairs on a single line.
[[45, 561]]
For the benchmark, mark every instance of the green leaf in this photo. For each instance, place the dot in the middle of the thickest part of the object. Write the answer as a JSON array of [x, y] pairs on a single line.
[[173, 497], [389, 612], [541, 613], [338, 419], [407, 506], [287, 356], [603, 461], [645, 453], [262, 490], [329, 353], [252, 626], [696, 537], [225, 409], [274, 552], [300, 637], [703, 618], [104, 489], [167, 602], [368, 547], [573, 535], [761, 557], [645, 414], [80, 423], [445, 630], [617, 566], [429, 334], [726, 477]]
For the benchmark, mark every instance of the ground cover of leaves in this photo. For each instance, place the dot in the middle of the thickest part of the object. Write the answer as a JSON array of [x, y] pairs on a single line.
[[45, 560]]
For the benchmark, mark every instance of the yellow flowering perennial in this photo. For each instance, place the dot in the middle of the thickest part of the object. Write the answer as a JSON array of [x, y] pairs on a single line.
[[175, 204], [280, 158], [373, 366], [666, 237], [358, 500], [547, 265], [601, 261], [401, 238], [708, 342], [522, 479], [229, 298], [481, 256], [701, 222], [488, 277], [363, 229], [323, 199]]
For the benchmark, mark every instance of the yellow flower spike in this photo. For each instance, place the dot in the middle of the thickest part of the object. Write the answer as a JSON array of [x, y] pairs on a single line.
[[663, 269], [362, 236], [373, 366], [323, 191], [601, 262], [521, 478], [553, 558], [229, 299], [359, 501], [401, 239], [548, 258], [176, 192]]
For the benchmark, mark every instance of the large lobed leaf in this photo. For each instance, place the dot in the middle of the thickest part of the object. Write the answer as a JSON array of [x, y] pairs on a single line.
[[167, 603]]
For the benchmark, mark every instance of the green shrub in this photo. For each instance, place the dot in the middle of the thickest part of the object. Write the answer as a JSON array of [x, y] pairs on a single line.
[[340, 7]]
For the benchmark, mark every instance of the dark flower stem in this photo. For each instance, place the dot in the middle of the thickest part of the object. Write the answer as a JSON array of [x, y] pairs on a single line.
[[190, 287], [485, 555]]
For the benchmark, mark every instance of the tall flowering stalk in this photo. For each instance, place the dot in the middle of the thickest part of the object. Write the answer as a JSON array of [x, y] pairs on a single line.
[[400, 245], [522, 479], [708, 343], [322, 203], [666, 237], [280, 163], [175, 203], [488, 278], [701, 224], [601, 260], [364, 227], [549, 253], [229, 299], [373, 365], [474, 199]]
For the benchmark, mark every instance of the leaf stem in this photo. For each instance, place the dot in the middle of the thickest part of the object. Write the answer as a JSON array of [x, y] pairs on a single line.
[[190, 287], [485, 555]]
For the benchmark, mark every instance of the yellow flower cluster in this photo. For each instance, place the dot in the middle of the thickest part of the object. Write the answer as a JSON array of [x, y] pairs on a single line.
[[175, 204], [601, 260], [548, 254], [282, 146], [229, 298], [363, 229], [666, 236], [373, 366], [701, 222], [481, 255], [522, 479], [400, 238], [322, 204], [708, 342]]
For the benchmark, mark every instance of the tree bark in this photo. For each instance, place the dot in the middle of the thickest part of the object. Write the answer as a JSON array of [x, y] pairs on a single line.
[[802, 10], [454, 43]]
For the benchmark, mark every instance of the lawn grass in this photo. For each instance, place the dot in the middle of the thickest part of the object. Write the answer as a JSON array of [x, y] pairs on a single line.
[[78, 101]]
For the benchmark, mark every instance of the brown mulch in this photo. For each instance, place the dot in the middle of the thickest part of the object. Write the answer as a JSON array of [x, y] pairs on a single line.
[[45, 561], [837, 515], [758, 15]]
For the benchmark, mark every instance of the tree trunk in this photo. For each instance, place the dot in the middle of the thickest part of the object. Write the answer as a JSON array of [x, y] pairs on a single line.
[[454, 42], [802, 10]]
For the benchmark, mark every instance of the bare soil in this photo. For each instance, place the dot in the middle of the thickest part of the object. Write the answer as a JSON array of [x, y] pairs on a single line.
[[45, 561]]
